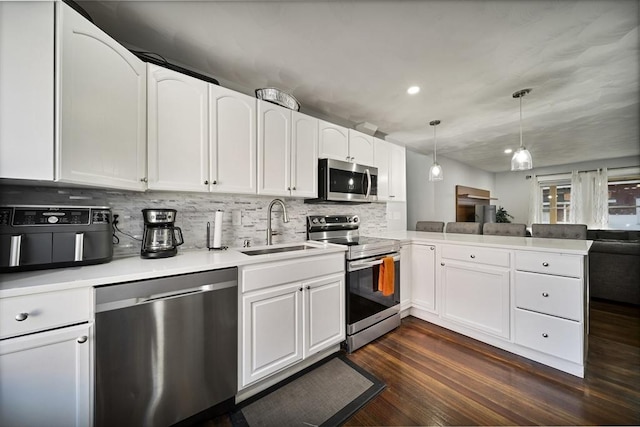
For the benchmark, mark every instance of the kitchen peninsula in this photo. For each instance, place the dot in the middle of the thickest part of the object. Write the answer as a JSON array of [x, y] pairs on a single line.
[[525, 295]]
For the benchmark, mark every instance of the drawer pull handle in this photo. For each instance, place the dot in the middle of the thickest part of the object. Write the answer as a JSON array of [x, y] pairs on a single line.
[[442, 264], [545, 335], [545, 294], [432, 248], [473, 256], [300, 289], [545, 264], [82, 339], [22, 316]]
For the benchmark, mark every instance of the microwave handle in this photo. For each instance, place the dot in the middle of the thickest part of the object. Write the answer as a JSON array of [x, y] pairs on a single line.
[[368, 183]]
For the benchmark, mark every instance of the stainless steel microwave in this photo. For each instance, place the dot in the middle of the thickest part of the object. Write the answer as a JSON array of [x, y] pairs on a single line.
[[340, 181]]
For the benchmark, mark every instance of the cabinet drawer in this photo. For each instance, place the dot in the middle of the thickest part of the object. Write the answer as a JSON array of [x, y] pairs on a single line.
[[555, 295], [262, 276], [44, 311], [552, 335], [549, 263], [477, 255]]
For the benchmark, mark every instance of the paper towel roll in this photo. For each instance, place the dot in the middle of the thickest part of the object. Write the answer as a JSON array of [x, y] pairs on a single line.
[[217, 229]]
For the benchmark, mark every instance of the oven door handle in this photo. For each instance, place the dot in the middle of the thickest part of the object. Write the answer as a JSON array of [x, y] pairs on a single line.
[[361, 265]]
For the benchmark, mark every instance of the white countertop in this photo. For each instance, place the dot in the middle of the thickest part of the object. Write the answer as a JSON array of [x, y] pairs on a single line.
[[565, 246], [135, 268]]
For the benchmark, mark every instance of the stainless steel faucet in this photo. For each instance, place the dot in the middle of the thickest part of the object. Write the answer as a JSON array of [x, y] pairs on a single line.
[[285, 218]]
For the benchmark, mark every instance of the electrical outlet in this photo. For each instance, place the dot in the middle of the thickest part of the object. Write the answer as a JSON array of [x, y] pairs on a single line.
[[236, 217]]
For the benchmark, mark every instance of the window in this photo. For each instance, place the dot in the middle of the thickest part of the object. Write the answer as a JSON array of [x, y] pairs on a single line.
[[556, 200], [624, 204]]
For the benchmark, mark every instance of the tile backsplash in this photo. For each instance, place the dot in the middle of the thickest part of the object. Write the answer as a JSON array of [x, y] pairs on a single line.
[[195, 210]]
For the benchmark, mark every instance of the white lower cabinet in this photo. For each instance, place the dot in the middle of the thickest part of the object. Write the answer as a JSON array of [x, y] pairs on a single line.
[[476, 296], [272, 333], [423, 274], [289, 310], [46, 378]]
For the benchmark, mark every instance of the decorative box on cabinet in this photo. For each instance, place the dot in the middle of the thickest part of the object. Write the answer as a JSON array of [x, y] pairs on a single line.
[[287, 152], [178, 131], [550, 303]]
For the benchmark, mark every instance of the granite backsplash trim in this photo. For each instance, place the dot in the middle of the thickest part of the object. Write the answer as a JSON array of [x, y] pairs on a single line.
[[195, 209]]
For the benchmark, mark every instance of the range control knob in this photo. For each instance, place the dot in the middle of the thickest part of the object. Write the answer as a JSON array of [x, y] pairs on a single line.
[[314, 220], [52, 219], [356, 219], [323, 221]]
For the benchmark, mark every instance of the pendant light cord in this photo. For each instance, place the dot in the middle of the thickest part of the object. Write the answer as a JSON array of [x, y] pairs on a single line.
[[521, 121], [435, 145]]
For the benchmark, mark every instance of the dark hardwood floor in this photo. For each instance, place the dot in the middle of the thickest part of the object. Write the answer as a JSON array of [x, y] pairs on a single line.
[[437, 377]]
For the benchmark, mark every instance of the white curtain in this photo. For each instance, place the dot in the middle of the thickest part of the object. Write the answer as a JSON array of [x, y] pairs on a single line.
[[590, 198], [535, 201]]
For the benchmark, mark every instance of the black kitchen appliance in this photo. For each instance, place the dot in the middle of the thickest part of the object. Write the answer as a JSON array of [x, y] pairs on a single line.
[[160, 238], [34, 237], [346, 182], [370, 314]]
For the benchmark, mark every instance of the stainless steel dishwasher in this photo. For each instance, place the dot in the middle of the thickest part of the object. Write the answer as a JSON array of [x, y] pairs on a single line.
[[166, 348]]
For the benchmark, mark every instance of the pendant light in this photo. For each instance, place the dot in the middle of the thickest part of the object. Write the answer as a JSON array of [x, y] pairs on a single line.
[[435, 171], [521, 159]]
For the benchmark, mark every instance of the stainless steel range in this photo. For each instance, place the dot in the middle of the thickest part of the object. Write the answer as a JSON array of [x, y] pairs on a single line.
[[370, 314]]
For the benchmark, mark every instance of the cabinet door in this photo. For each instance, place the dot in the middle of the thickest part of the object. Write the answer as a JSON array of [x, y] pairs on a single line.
[[423, 290], [26, 90], [232, 136], [274, 149], [47, 378], [406, 276], [304, 155], [271, 331], [476, 296], [334, 141], [381, 160], [103, 102], [360, 148], [397, 174], [324, 320], [178, 131]]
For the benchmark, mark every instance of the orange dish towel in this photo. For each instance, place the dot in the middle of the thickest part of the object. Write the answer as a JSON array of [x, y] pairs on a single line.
[[386, 276]]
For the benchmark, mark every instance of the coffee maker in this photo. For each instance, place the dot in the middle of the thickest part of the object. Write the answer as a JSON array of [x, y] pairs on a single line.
[[160, 239]]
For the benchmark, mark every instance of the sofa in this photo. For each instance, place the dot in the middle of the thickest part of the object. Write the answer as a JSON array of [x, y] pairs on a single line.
[[614, 265]]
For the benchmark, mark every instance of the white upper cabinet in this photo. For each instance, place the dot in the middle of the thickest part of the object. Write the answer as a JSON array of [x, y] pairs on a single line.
[[334, 141], [398, 174], [274, 149], [390, 160], [232, 136], [304, 155], [287, 152], [360, 148], [178, 131], [348, 145], [381, 160], [102, 107], [26, 90]]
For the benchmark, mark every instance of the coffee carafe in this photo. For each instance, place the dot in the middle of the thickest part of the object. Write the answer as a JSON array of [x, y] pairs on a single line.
[[161, 238]]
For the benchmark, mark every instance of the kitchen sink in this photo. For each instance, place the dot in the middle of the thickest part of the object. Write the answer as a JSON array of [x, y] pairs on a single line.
[[277, 250]]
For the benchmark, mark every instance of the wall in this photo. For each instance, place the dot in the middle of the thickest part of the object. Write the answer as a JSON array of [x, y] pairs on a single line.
[[512, 188], [195, 209], [435, 201]]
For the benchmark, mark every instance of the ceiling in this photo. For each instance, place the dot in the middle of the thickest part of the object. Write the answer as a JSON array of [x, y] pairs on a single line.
[[352, 62]]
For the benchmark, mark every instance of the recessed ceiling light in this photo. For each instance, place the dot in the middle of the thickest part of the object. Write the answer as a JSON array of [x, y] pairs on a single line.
[[413, 90], [508, 151]]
